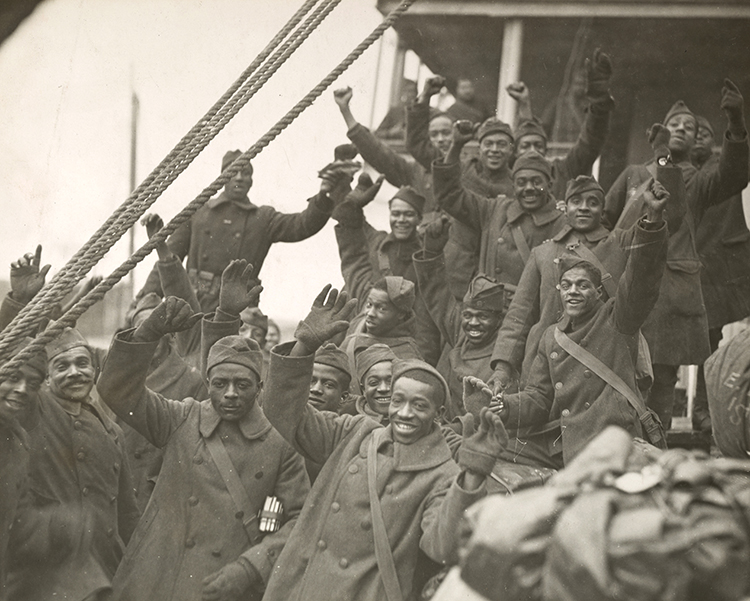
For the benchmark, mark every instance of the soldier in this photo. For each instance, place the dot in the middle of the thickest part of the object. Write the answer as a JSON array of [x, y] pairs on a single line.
[[374, 372], [396, 486], [677, 330], [230, 226]]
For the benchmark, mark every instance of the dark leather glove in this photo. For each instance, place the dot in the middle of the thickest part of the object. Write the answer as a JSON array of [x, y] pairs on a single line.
[[598, 74], [172, 315], [435, 235], [365, 191], [326, 319], [476, 395]]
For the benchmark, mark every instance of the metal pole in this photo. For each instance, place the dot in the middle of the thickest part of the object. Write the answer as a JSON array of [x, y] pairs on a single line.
[[134, 107]]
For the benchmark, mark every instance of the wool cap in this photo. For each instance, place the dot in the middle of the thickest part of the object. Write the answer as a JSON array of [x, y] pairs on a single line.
[[581, 184], [147, 302], [705, 123], [369, 356], [230, 157], [332, 356], [528, 127], [435, 113], [679, 108], [486, 294], [493, 125], [69, 339], [567, 262], [400, 292], [402, 367], [238, 350], [410, 195], [533, 160]]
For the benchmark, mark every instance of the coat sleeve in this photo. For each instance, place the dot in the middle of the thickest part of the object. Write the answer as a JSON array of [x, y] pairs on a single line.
[[469, 208], [397, 170], [417, 136], [523, 313], [356, 267], [444, 511], [588, 147], [128, 513], [314, 434], [441, 304], [292, 486], [122, 386], [614, 201], [293, 227], [638, 289], [8, 311], [174, 282]]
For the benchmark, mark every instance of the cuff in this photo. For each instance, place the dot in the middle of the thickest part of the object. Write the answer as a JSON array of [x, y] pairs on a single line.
[[256, 580], [476, 461], [322, 202]]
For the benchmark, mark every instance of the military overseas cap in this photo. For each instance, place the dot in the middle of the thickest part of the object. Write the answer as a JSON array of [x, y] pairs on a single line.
[[69, 339], [405, 367], [567, 262], [581, 184], [535, 161], [529, 127], [369, 356], [230, 157], [400, 292], [238, 350], [410, 195], [493, 125], [486, 294], [332, 356], [146, 303], [679, 108], [705, 123]]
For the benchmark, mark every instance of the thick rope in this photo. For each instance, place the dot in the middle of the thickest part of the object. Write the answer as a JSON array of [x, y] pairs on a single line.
[[91, 253], [95, 295]]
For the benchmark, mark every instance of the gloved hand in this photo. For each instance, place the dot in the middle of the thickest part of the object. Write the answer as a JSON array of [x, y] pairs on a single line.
[[172, 315], [326, 319], [239, 289], [432, 86], [732, 103], [365, 191], [436, 235], [598, 74], [481, 449], [338, 173], [230, 583], [26, 278], [345, 152], [501, 378], [658, 137], [476, 395], [463, 131]]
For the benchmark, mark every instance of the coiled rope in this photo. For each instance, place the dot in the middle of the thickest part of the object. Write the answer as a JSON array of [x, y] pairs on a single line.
[[97, 293]]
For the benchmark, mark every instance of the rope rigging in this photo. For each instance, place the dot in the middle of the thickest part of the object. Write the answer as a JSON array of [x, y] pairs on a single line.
[[134, 207]]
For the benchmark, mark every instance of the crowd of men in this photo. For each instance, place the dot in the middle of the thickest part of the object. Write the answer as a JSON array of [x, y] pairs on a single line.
[[514, 310]]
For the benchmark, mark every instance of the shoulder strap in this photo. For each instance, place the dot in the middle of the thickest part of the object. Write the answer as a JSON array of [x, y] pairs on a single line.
[[520, 240], [625, 222], [233, 483], [650, 425], [383, 553], [586, 253]]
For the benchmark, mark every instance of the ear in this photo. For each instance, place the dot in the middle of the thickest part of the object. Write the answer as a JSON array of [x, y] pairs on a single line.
[[599, 291], [440, 414]]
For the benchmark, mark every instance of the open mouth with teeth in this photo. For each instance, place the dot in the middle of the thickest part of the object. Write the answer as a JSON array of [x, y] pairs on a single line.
[[404, 428]]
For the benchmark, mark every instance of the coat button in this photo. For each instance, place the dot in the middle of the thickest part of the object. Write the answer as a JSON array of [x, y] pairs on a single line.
[[258, 475], [236, 234], [81, 456], [85, 491], [116, 467], [137, 455], [587, 374], [193, 501], [197, 460], [239, 515], [335, 507], [587, 405], [353, 469], [344, 563], [216, 553], [558, 386], [110, 532], [565, 412], [321, 544], [365, 525], [77, 425], [553, 355], [500, 240], [389, 489], [190, 543]]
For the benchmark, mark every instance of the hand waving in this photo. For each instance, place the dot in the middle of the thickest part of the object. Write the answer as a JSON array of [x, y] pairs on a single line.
[[172, 315], [26, 278], [481, 449], [329, 316], [239, 289]]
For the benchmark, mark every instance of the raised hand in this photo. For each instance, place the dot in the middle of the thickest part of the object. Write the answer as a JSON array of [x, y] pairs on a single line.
[[153, 223], [732, 103], [337, 173], [230, 583], [481, 449], [239, 289], [432, 86], [658, 137], [598, 74], [26, 278], [172, 315], [435, 235], [518, 92], [329, 316], [365, 191], [656, 197], [476, 395], [343, 96]]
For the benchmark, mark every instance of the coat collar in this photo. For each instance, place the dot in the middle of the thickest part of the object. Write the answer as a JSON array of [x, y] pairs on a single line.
[[74, 409], [427, 453], [253, 425], [221, 199], [547, 214], [597, 235], [363, 409]]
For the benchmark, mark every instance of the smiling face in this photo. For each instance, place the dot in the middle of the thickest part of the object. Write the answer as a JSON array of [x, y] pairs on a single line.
[[327, 388], [381, 315], [233, 389], [531, 189], [479, 326], [404, 219], [495, 150], [238, 187], [531, 142], [682, 130], [376, 387], [440, 131], [18, 393], [579, 294], [413, 410], [71, 374], [584, 211]]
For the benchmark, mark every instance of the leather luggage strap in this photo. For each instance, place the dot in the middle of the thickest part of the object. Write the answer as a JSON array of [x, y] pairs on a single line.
[[383, 553], [521, 244]]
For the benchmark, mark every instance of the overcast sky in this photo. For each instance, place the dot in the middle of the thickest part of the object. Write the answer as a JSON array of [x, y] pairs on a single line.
[[67, 75]]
